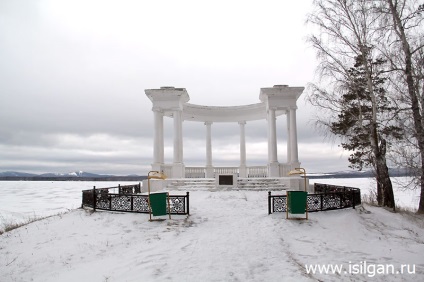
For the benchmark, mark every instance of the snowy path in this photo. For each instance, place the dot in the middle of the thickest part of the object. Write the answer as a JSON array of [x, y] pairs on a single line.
[[228, 237], [233, 242]]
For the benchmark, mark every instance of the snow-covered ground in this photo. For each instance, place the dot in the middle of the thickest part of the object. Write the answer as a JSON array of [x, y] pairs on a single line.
[[228, 237], [21, 201]]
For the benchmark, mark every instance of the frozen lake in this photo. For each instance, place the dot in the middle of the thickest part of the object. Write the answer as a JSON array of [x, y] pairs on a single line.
[[23, 200]]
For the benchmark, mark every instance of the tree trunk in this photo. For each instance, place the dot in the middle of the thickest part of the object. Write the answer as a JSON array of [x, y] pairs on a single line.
[[386, 183], [417, 117], [421, 204], [380, 184], [385, 196]]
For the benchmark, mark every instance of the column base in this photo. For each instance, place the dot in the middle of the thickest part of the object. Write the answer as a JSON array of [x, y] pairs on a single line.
[[178, 170], [298, 183], [274, 170], [157, 167], [295, 164], [209, 172], [243, 171], [155, 185]]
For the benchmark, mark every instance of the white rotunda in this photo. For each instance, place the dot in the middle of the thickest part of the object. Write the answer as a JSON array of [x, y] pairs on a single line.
[[274, 101]]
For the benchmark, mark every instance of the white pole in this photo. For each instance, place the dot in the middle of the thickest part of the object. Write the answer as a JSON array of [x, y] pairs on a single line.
[[272, 137], [208, 143], [293, 136], [178, 138], [158, 146], [242, 169]]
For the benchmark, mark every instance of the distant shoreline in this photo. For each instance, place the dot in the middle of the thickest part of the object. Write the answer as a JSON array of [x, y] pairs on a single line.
[[141, 178], [72, 178]]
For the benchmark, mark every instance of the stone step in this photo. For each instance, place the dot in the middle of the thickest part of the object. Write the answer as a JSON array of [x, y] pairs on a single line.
[[258, 184], [261, 184], [259, 180], [197, 184]]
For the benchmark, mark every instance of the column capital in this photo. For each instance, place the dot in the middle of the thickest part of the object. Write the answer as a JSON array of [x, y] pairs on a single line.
[[157, 110], [175, 112], [242, 122], [270, 114], [273, 108], [208, 122]]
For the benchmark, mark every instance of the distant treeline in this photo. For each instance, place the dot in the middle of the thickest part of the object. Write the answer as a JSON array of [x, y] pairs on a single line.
[[357, 174], [72, 178], [354, 174]]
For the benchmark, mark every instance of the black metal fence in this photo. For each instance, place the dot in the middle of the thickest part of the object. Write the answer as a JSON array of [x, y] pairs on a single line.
[[128, 199], [326, 197]]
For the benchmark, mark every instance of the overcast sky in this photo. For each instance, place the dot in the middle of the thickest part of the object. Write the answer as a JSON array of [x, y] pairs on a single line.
[[73, 75]]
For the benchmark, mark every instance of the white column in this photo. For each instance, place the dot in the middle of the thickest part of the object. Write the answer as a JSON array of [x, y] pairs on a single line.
[[293, 137], [242, 169], [178, 166], [273, 165], [208, 143], [209, 167], [158, 143], [288, 138], [178, 138], [272, 137]]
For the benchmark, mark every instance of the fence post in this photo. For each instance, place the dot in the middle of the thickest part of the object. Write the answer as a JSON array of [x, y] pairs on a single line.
[[269, 202], [188, 203], [321, 196], [94, 198], [119, 189], [353, 199], [359, 196]]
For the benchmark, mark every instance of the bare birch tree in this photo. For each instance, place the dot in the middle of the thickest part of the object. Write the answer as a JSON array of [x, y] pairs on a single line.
[[402, 23], [348, 32]]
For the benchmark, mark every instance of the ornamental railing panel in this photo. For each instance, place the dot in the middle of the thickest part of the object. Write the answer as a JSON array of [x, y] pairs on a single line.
[[251, 171], [141, 204], [226, 170], [124, 201], [257, 171], [178, 204], [195, 172], [326, 197]]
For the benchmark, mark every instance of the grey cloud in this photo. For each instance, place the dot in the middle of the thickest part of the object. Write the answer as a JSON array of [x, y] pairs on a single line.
[[62, 88]]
